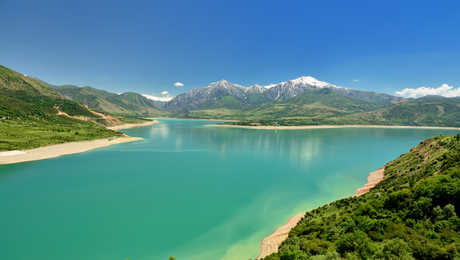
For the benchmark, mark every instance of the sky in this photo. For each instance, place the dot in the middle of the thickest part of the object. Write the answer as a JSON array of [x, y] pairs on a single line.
[[156, 47]]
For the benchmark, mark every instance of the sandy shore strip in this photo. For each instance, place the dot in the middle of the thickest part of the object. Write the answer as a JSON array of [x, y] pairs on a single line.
[[271, 243], [126, 126], [56, 150], [372, 180], [199, 119], [300, 127]]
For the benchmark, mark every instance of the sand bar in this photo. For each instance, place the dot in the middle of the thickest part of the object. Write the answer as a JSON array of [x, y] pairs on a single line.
[[126, 126], [300, 127], [56, 150]]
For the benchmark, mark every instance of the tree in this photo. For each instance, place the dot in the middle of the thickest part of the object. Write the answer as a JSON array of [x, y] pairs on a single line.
[[449, 211], [396, 249]]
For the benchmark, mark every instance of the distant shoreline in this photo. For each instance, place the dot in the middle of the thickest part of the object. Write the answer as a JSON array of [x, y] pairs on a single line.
[[270, 244], [199, 119], [56, 150], [301, 127], [126, 126]]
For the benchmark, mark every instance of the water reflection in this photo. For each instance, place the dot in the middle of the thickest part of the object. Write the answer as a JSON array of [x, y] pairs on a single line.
[[300, 147], [161, 130]]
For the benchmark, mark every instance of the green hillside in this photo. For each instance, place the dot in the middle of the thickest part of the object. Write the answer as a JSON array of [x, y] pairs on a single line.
[[313, 105], [325, 107], [429, 111], [29, 115], [318, 104], [129, 103], [411, 214]]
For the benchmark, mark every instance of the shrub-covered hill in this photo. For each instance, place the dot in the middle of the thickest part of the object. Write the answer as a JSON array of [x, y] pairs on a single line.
[[411, 214], [29, 115], [129, 103]]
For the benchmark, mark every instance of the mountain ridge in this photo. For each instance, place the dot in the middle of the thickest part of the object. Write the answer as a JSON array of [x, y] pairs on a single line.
[[127, 103], [215, 94], [33, 115], [301, 101]]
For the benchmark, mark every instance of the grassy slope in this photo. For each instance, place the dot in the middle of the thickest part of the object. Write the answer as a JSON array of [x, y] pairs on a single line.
[[28, 117], [319, 108], [129, 103], [313, 105], [433, 110], [31, 133], [411, 214]]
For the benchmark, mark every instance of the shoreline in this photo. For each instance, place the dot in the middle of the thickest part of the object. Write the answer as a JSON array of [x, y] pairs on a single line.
[[372, 179], [131, 125], [199, 119], [303, 127], [270, 244], [56, 150]]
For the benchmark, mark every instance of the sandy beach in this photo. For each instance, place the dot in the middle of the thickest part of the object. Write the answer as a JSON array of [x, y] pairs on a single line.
[[271, 243], [332, 126], [126, 126], [56, 150], [199, 119]]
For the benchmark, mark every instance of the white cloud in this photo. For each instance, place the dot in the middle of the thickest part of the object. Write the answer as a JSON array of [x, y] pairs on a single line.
[[356, 80], [155, 98], [179, 84], [444, 90], [164, 93]]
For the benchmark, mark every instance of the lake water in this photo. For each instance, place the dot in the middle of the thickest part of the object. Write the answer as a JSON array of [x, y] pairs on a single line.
[[198, 193]]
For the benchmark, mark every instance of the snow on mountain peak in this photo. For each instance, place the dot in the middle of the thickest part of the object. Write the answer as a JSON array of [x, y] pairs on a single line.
[[223, 83], [308, 80], [270, 86], [218, 83], [304, 80]]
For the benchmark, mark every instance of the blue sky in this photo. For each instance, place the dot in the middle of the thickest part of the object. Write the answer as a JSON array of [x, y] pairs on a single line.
[[146, 46]]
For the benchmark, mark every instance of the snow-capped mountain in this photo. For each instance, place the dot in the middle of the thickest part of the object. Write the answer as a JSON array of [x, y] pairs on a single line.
[[215, 94], [288, 89], [228, 95], [303, 81]]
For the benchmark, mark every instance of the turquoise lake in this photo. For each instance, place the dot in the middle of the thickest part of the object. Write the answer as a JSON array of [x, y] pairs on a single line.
[[186, 190]]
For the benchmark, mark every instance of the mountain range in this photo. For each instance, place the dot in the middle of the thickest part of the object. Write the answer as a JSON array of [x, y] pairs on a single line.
[[223, 94], [301, 101], [308, 101]]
